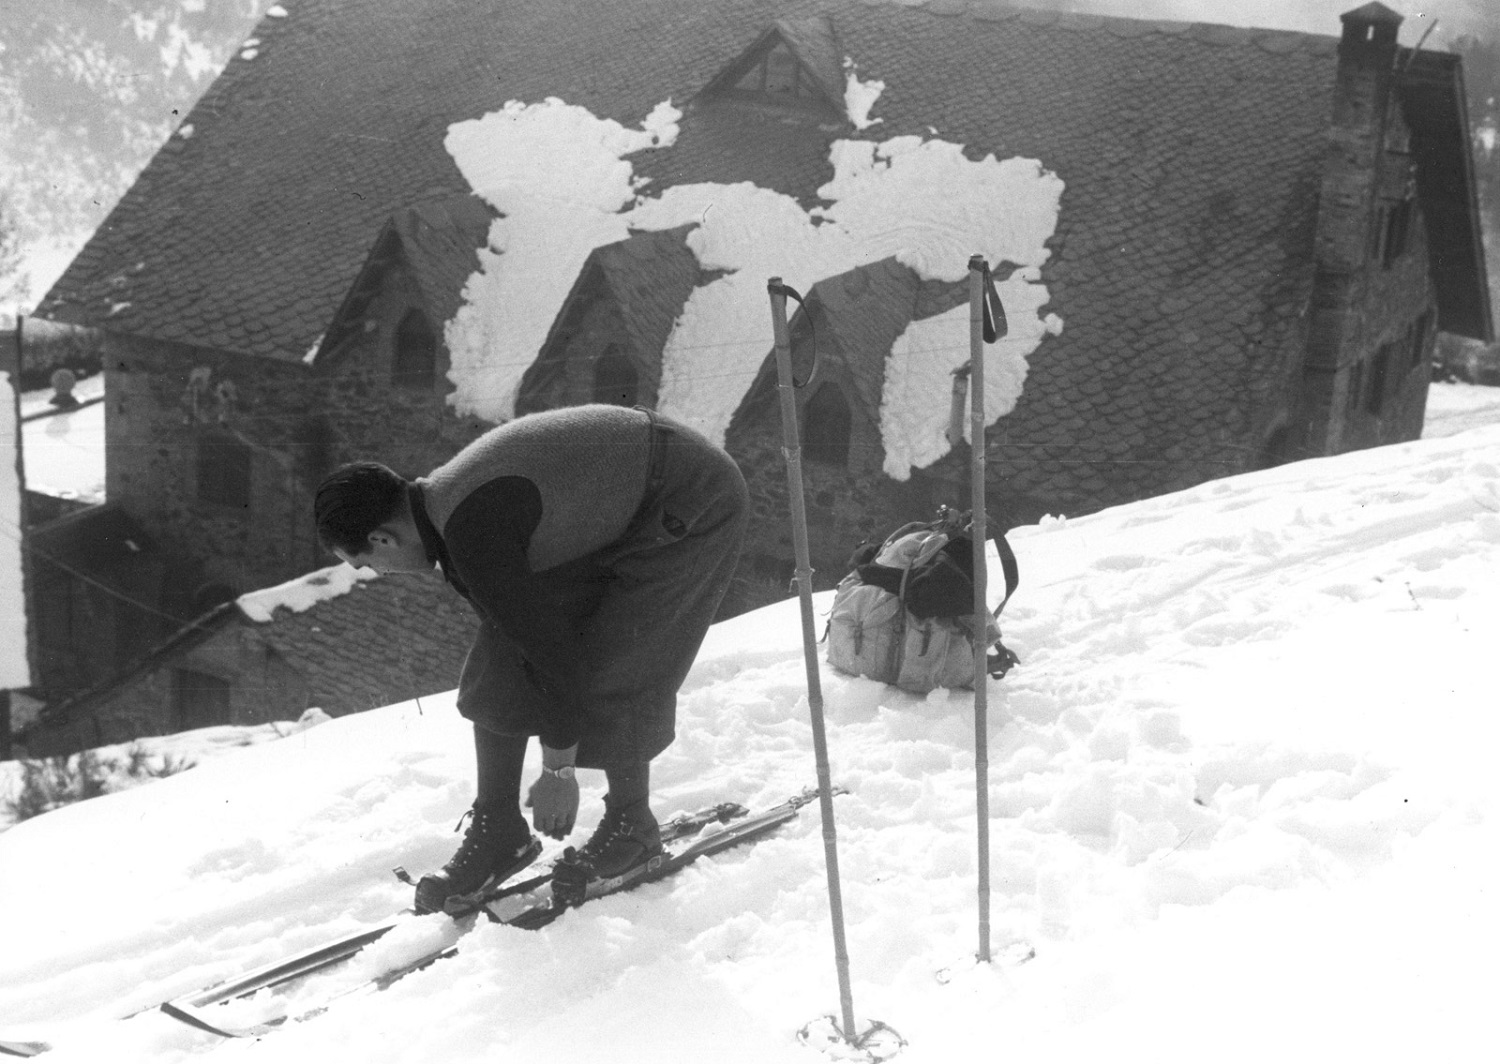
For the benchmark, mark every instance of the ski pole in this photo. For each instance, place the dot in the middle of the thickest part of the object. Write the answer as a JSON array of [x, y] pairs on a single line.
[[792, 449], [978, 269]]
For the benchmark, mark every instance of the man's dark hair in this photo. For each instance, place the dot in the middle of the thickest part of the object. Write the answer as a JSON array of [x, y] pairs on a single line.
[[353, 501]]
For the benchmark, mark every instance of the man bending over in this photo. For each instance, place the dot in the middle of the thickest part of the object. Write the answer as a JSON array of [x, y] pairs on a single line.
[[595, 543]]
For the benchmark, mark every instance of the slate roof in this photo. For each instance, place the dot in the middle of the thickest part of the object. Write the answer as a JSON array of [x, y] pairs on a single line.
[[1182, 259], [385, 641]]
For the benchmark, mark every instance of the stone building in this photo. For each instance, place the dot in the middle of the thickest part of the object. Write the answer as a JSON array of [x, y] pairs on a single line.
[[1259, 235], [322, 641]]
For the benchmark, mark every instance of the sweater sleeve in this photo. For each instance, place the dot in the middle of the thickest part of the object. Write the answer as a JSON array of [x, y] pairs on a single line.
[[486, 538]]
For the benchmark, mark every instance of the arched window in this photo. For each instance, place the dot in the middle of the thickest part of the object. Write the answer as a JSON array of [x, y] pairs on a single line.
[[615, 378], [416, 351], [825, 426]]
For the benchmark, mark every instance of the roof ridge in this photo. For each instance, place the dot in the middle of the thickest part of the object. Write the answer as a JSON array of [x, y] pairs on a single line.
[[1211, 33]]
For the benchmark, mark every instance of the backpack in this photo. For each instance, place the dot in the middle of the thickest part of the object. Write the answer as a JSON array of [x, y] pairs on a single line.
[[905, 613]]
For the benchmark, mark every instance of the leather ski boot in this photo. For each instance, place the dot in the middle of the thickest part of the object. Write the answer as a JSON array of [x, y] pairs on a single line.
[[497, 845], [627, 838]]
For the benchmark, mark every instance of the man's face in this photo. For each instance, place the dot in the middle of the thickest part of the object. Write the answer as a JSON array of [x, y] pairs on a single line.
[[388, 553]]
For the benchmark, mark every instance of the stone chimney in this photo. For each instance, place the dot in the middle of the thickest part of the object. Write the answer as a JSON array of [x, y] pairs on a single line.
[[1361, 96], [1362, 93]]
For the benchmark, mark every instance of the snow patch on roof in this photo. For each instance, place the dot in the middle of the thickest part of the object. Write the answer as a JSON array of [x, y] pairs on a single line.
[[302, 593], [557, 174], [916, 400], [860, 97], [885, 205], [923, 202]]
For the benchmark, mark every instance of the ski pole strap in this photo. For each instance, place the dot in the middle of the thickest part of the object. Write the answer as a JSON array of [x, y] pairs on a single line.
[[1009, 566], [791, 293], [995, 325]]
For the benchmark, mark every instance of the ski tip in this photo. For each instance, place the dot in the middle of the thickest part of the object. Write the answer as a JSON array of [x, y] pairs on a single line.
[[193, 1018], [18, 1048]]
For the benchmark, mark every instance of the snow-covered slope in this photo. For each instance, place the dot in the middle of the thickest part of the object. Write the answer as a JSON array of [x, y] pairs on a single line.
[[1243, 795]]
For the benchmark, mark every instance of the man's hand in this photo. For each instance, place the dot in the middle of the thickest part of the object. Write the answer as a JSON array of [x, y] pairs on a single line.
[[554, 796]]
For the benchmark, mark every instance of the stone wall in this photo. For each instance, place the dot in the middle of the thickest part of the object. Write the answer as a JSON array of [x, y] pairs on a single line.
[[362, 413], [261, 688], [295, 423], [1372, 314], [166, 403]]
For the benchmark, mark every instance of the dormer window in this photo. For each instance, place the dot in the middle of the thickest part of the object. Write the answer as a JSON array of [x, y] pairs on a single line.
[[615, 378], [415, 356], [792, 65], [777, 76], [825, 427]]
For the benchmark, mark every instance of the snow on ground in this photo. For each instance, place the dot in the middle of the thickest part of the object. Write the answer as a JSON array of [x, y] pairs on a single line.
[[558, 175], [1243, 796], [181, 751]]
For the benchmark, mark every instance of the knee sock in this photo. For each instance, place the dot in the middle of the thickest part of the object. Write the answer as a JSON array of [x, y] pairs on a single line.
[[628, 783], [498, 760]]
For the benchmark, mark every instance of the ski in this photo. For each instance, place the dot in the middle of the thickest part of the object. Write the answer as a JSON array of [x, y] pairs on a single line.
[[739, 826], [191, 1008]]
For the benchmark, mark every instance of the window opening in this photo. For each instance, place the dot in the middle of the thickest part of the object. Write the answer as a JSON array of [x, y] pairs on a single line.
[[416, 351], [223, 470], [777, 76], [826, 426], [1379, 373], [1420, 329], [199, 699]]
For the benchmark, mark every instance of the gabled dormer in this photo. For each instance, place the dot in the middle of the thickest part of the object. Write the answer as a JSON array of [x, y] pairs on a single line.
[[410, 285], [793, 65], [606, 343]]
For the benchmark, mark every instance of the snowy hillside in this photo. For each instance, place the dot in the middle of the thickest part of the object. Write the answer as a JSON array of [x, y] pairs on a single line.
[[1244, 807]]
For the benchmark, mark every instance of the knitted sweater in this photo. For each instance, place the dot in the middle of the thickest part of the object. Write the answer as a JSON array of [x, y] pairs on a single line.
[[533, 494], [589, 463]]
